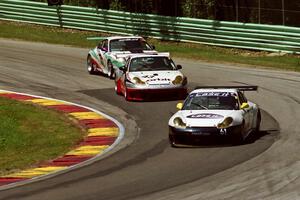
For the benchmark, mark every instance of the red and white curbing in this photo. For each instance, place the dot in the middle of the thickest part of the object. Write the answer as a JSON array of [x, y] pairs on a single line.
[[104, 133]]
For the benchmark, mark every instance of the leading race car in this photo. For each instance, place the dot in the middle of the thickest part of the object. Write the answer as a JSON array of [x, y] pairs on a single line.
[[151, 76], [214, 112], [109, 54]]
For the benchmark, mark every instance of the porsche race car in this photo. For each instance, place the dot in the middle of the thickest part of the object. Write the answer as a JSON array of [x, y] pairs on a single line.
[[214, 112], [150, 76], [109, 54]]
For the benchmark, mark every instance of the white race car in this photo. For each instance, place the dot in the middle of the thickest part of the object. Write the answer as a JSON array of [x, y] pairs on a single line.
[[151, 76], [109, 54], [214, 112]]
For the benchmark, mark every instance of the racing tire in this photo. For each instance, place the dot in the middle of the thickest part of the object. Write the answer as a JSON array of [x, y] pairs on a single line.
[[90, 66], [111, 72]]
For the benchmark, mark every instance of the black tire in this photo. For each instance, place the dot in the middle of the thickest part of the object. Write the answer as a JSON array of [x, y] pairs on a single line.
[[111, 72], [89, 65]]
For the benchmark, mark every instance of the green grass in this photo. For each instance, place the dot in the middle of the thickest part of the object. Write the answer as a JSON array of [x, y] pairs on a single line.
[[30, 134], [77, 38]]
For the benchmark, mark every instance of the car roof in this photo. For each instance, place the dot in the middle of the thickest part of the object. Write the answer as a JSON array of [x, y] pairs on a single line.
[[231, 90]]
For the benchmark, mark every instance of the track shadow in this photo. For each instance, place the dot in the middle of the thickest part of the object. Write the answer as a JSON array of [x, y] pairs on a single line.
[[145, 109]]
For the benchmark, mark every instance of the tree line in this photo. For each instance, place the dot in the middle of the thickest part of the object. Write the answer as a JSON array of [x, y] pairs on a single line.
[[281, 12]]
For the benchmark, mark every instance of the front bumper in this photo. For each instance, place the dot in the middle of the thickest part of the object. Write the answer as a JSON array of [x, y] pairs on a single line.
[[194, 135], [140, 94]]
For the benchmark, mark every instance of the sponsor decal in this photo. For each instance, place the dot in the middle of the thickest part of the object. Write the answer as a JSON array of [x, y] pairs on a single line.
[[205, 116], [159, 79], [150, 76], [217, 94]]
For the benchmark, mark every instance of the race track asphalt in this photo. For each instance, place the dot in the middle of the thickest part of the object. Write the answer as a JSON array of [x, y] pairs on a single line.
[[144, 166]]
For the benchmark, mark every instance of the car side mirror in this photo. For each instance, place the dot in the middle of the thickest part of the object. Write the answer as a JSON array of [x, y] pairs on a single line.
[[179, 66], [179, 106], [244, 105]]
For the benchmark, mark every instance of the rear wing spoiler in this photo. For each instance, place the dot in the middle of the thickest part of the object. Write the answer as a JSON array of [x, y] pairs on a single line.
[[96, 38], [240, 88], [103, 38]]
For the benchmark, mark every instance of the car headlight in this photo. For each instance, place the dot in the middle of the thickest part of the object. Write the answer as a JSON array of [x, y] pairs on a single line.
[[178, 80], [137, 80], [225, 123], [179, 123]]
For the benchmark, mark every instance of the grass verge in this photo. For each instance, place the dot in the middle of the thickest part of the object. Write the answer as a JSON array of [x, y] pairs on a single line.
[[30, 134], [77, 38]]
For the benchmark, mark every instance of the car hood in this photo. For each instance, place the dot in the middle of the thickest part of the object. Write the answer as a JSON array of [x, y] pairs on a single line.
[[207, 118], [157, 77]]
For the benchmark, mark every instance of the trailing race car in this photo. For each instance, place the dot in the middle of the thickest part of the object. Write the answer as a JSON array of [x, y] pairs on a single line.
[[109, 54], [150, 76], [214, 112]]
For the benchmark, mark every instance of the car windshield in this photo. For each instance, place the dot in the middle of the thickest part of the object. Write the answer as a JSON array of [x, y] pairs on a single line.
[[134, 45], [151, 64], [211, 101]]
